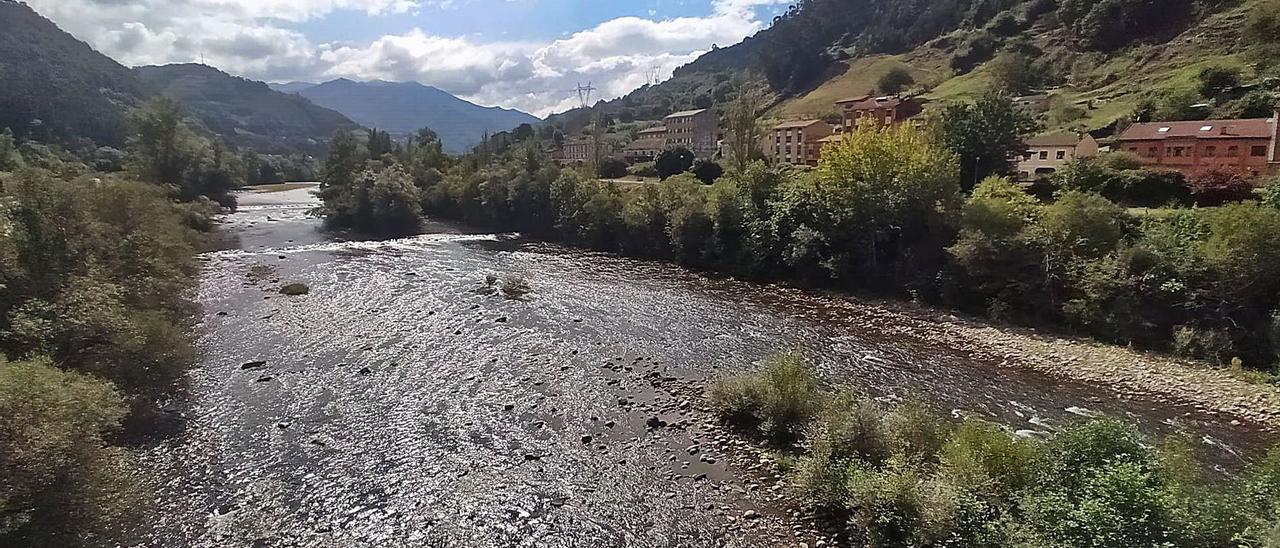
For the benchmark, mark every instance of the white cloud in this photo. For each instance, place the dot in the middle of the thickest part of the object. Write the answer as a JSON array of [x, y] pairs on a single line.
[[246, 37]]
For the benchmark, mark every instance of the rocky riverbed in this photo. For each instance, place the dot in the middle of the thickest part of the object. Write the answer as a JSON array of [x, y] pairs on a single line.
[[402, 401]]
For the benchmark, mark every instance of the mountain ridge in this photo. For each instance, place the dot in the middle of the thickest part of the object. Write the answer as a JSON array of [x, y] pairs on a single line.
[[402, 108], [246, 112]]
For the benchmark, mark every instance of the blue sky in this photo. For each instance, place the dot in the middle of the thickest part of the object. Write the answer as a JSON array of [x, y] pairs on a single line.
[[511, 53], [500, 19]]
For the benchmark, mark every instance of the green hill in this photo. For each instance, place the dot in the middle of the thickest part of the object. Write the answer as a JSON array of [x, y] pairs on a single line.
[[246, 113], [55, 87], [1098, 60]]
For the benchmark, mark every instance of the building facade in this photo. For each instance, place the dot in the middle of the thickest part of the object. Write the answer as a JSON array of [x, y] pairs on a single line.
[[1248, 147], [577, 150], [878, 111], [1050, 153], [648, 144], [693, 129], [797, 142]]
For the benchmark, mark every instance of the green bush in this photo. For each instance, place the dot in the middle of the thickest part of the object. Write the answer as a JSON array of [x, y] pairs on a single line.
[[777, 402], [60, 475]]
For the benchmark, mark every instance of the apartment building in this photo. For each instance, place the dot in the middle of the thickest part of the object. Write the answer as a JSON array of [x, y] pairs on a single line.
[[798, 142], [693, 129], [878, 111], [1050, 153], [1247, 146]]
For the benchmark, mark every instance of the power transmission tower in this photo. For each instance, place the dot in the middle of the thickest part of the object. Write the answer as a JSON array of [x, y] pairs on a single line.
[[584, 94]]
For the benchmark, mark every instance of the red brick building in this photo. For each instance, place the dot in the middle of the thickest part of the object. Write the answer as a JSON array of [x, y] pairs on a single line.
[[797, 142], [880, 111], [1248, 147]]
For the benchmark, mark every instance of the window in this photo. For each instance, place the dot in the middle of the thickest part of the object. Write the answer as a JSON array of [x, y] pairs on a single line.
[[1026, 156], [1233, 151], [1044, 155], [1133, 150], [1062, 154], [1210, 151], [1258, 151], [1153, 152], [1177, 151]]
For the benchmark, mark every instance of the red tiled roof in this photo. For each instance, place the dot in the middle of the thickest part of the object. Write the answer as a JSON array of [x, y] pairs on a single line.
[[1255, 128], [1058, 139], [797, 124], [869, 102]]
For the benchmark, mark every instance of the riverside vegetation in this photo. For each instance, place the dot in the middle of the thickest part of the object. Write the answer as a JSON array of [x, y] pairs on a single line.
[[888, 211], [96, 278], [907, 477]]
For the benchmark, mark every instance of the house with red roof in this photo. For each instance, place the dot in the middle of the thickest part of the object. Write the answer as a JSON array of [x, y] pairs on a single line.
[[1248, 146], [878, 111]]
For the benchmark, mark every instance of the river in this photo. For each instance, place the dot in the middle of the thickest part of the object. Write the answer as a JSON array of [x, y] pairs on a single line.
[[401, 403]]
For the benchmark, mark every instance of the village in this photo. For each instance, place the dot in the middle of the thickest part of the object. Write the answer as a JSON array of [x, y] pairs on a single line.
[[1248, 148]]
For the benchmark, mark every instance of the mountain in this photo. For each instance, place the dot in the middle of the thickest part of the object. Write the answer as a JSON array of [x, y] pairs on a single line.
[[291, 87], [404, 108], [1097, 60], [244, 112], [55, 87]]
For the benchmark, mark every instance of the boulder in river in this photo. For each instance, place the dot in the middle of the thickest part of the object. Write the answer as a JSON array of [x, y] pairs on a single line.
[[249, 366], [295, 289]]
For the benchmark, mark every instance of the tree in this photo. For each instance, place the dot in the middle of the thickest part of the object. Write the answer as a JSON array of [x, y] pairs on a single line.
[[707, 171], [1218, 186], [1013, 72], [612, 168], [1217, 80], [876, 197], [673, 161], [10, 160], [162, 146], [522, 132], [895, 81], [985, 136], [742, 131], [380, 143]]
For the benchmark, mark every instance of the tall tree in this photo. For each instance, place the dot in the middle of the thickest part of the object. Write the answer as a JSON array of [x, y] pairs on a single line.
[[742, 131], [162, 146], [986, 135]]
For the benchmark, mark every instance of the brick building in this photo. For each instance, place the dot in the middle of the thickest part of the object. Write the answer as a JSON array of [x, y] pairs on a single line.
[[694, 130], [797, 142], [1248, 147], [648, 144], [879, 111]]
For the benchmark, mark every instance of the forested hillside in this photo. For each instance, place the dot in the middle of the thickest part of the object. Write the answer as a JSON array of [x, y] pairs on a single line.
[[1100, 59], [54, 87], [245, 112], [57, 89]]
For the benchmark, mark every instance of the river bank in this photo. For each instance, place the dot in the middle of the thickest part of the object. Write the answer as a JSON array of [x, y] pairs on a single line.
[[401, 402], [1206, 388]]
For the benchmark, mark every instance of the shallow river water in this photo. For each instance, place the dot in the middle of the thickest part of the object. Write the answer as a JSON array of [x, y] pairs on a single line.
[[402, 404]]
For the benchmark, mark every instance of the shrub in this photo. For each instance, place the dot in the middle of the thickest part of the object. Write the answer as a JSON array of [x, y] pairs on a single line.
[[1271, 193], [895, 81], [707, 171], [1214, 187], [644, 169], [779, 401], [612, 168], [1213, 345], [1215, 81], [673, 161], [60, 476]]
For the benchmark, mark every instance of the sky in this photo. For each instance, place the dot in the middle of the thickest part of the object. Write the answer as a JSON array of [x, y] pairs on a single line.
[[524, 54]]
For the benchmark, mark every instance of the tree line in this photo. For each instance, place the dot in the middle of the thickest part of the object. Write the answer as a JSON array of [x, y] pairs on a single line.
[[896, 210]]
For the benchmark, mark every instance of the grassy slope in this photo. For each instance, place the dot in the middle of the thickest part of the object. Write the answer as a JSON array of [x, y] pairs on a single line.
[[1107, 93]]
